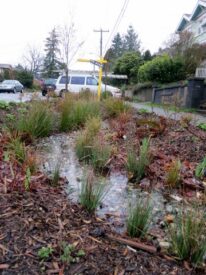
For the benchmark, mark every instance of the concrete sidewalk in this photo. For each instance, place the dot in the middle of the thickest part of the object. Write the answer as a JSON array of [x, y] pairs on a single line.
[[196, 118]]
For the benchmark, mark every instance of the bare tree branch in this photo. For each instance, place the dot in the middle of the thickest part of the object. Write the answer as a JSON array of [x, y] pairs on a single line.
[[33, 59]]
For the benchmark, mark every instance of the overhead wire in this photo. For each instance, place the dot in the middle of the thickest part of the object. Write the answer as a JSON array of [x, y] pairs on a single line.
[[117, 23]]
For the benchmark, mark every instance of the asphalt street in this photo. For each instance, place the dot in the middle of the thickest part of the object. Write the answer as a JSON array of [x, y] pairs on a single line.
[[19, 97]]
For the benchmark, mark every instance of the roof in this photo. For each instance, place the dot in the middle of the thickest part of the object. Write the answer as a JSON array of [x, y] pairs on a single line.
[[5, 66], [96, 73], [183, 22], [199, 8]]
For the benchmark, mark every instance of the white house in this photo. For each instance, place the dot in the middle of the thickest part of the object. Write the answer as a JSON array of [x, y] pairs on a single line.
[[195, 22]]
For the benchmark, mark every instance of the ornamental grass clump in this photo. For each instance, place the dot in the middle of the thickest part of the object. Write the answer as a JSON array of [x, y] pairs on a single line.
[[86, 139], [173, 174], [17, 149], [114, 106], [55, 175], [74, 112], [92, 192], [100, 154], [38, 121], [188, 236], [136, 166], [200, 170], [139, 218]]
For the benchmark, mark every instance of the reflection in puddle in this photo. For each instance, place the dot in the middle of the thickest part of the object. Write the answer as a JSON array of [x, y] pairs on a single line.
[[59, 150]]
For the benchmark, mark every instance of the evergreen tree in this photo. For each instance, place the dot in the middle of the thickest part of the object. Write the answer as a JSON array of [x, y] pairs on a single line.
[[117, 46], [131, 41], [147, 55], [51, 61]]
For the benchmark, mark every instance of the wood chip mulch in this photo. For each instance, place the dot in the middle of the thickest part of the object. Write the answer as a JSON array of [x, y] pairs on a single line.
[[45, 217]]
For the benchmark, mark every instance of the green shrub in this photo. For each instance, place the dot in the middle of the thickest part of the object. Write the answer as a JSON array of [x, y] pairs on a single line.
[[74, 114], [25, 77], [38, 122], [114, 107], [201, 169], [139, 218], [129, 64], [136, 165], [188, 236], [162, 69], [4, 105], [91, 192]]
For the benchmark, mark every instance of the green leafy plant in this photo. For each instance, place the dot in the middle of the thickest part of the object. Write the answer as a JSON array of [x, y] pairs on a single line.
[[91, 192], [66, 256], [202, 126], [173, 174], [10, 117], [201, 169], [45, 252], [69, 255], [162, 69], [38, 122], [136, 165], [188, 236], [143, 111], [4, 105], [139, 218]]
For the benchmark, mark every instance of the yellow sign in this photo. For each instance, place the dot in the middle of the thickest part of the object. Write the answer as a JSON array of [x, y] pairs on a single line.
[[98, 63]]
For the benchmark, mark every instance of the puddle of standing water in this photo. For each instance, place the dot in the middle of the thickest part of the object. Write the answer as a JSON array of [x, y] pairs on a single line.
[[58, 150]]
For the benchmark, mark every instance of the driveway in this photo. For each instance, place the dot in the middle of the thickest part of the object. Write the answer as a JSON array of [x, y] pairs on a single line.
[[18, 97], [196, 118]]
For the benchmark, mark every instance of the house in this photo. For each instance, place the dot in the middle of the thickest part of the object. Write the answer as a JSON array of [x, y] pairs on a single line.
[[195, 22], [6, 69]]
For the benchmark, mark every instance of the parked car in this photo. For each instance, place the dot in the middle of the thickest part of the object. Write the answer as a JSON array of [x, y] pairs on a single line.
[[76, 83], [13, 86], [48, 85]]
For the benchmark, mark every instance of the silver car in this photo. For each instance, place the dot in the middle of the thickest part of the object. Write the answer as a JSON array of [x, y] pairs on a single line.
[[13, 86]]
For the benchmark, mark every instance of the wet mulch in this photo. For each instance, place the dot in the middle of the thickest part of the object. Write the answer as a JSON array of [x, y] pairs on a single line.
[[32, 220], [170, 140]]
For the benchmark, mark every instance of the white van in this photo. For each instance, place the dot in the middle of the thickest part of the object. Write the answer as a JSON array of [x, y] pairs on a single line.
[[78, 82]]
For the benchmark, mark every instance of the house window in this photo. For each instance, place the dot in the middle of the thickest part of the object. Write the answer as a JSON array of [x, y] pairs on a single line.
[[204, 28]]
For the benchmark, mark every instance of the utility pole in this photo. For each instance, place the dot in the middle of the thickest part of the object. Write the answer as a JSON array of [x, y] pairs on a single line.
[[101, 39], [101, 59]]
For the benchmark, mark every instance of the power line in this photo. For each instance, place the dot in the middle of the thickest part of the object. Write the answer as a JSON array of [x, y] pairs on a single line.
[[118, 20]]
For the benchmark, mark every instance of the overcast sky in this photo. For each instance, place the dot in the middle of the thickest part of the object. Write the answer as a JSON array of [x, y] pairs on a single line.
[[28, 22]]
